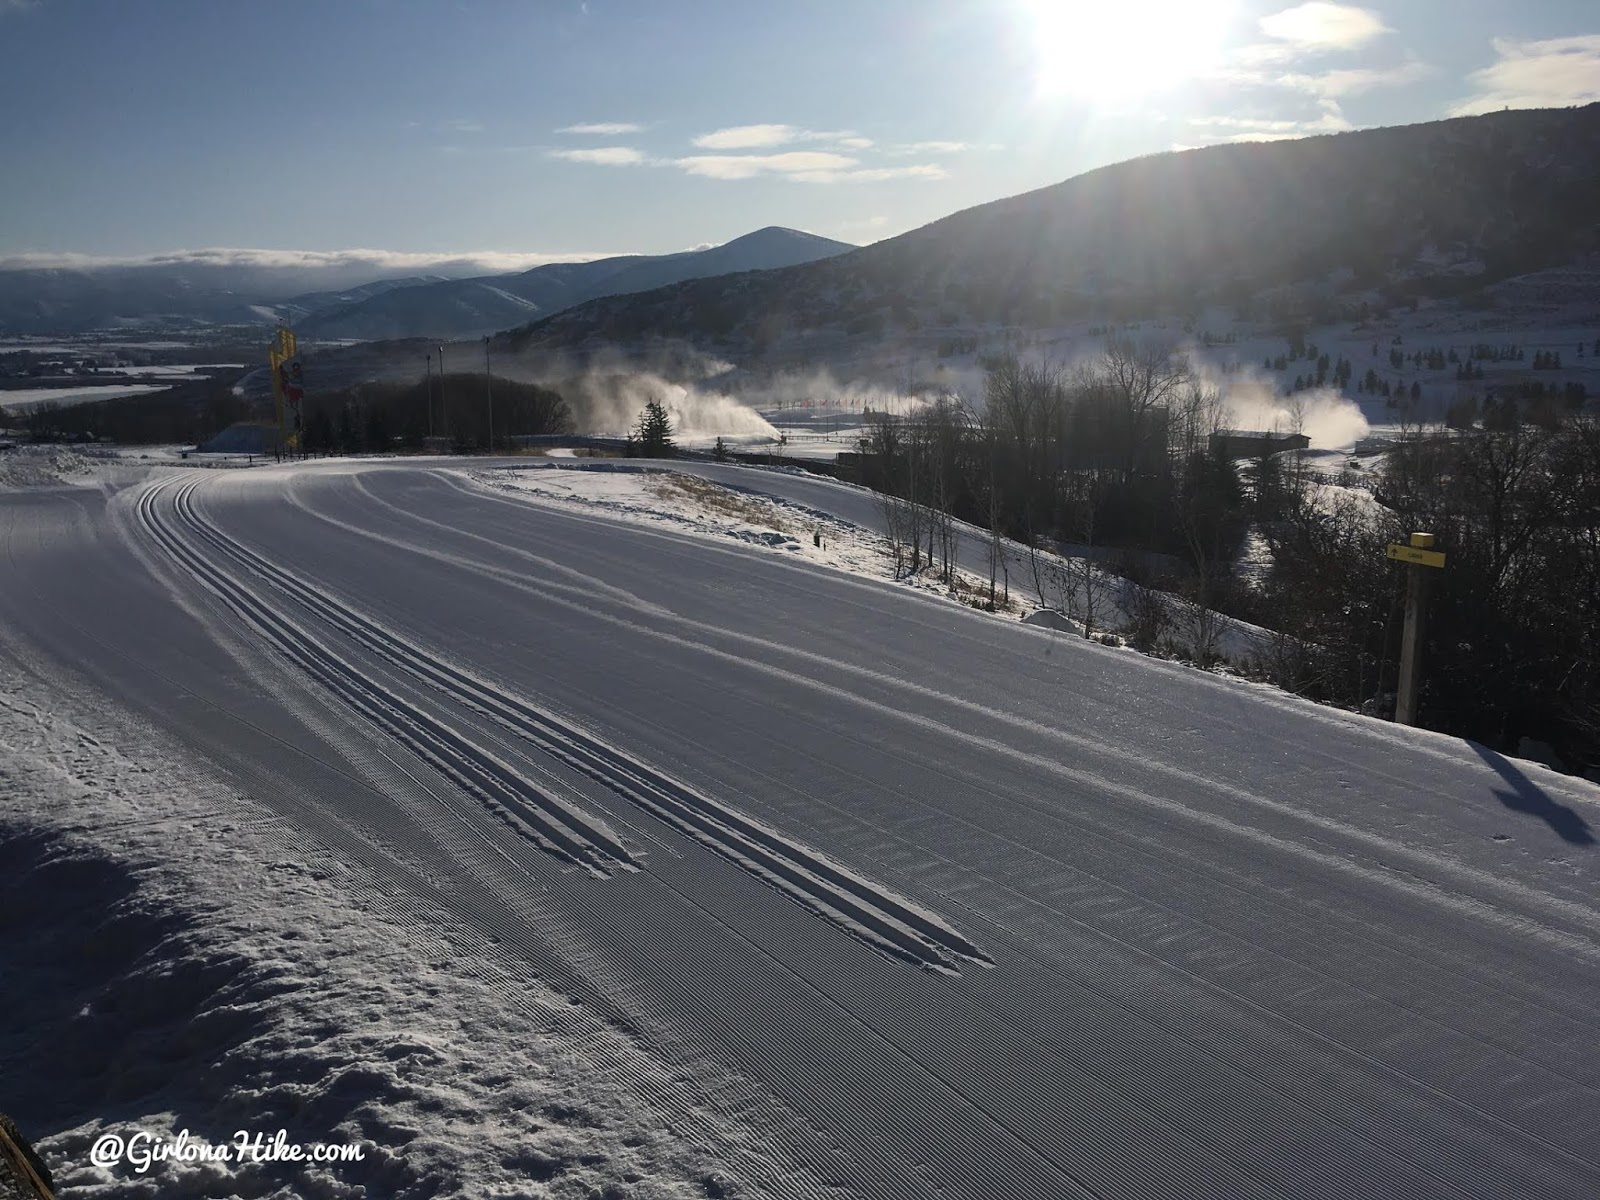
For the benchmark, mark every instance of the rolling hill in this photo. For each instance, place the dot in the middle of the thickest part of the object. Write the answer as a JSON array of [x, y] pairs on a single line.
[[1308, 229]]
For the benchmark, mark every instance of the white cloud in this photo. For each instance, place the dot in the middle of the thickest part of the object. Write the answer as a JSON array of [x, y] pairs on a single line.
[[744, 166], [871, 174], [603, 128], [301, 260], [762, 137], [930, 148], [1330, 119], [1553, 73], [1321, 25], [747, 137], [604, 156], [803, 166], [1352, 81], [463, 125], [829, 156]]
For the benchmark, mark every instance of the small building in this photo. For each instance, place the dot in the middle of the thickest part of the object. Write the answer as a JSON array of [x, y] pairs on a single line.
[[1255, 443]]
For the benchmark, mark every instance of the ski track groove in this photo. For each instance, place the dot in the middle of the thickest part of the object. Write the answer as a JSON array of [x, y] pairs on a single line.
[[1422, 1152], [524, 807], [1415, 879], [670, 946], [775, 1167], [822, 885], [1196, 1170]]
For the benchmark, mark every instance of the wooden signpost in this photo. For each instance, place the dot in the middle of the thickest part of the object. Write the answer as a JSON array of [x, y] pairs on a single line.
[[1421, 557]]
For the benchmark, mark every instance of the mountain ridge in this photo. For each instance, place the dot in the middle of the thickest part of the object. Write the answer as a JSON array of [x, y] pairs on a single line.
[[1441, 207], [182, 294], [487, 304]]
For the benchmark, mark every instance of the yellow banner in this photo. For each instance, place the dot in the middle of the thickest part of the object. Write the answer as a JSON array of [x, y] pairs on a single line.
[[288, 390]]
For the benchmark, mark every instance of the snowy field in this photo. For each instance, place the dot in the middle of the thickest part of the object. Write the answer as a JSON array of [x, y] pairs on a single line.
[[17, 399], [563, 833]]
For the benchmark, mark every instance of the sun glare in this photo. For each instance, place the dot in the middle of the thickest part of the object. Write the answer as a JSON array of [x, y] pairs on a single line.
[[1124, 48]]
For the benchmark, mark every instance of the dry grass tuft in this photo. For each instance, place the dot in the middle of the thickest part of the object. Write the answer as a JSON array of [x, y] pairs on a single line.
[[718, 500]]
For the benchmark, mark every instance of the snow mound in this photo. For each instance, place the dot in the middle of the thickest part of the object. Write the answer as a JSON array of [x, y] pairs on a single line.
[[1049, 618], [48, 466]]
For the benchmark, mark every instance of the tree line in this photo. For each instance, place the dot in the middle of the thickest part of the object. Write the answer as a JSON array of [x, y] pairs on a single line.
[[366, 418], [1513, 635], [1113, 461], [371, 417], [1112, 453]]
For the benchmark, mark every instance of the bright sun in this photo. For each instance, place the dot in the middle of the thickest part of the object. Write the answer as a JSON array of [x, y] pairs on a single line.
[[1117, 49]]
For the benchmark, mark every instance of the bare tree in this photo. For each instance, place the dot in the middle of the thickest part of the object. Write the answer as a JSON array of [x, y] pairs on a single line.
[[1089, 585]]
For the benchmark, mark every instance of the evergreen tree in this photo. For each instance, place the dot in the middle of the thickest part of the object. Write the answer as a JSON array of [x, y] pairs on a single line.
[[654, 431], [720, 451]]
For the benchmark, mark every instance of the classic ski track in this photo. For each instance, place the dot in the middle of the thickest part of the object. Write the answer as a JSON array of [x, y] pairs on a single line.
[[1421, 1152], [1101, 1160], [541, 818], [671, 944], [760, 1156], [1411, 1093], [1425, 883], [821, 885]]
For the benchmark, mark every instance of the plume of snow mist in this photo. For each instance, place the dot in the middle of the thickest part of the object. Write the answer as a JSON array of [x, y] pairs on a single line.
[[1329, 418], [611, 404], [792, 388]]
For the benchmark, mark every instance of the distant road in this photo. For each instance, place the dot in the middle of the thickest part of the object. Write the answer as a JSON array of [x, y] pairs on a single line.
[[934, 905]]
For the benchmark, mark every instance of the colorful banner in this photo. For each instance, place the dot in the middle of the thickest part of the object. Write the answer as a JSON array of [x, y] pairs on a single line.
[[288, 388]]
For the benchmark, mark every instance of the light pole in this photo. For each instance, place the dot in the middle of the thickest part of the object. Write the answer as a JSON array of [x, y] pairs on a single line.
[[488, 391], [444, 411], [429, 357]]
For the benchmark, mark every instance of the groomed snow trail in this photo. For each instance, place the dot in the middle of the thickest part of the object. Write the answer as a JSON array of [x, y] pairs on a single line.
[[924, 903]]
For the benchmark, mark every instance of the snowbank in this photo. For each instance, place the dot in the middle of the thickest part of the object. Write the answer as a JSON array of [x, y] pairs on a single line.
[[49, 466], [692, 505], [175, 958]]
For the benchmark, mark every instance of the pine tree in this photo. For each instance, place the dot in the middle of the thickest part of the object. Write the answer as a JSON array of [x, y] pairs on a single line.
[[654, 431], [720, 451]]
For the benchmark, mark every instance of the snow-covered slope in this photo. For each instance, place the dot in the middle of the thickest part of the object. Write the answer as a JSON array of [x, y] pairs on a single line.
[[1295, 231]]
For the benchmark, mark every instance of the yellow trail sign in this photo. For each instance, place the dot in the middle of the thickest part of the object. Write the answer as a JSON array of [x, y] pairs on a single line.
[[1411, 554]]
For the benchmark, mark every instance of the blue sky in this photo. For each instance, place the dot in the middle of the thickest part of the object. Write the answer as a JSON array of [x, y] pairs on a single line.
[[533, 128]]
